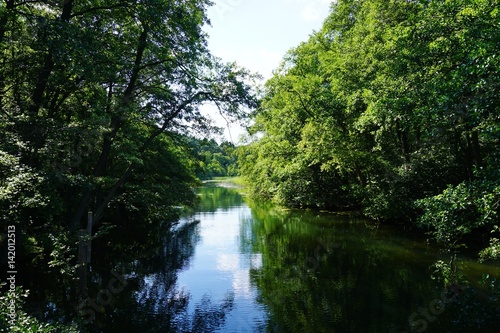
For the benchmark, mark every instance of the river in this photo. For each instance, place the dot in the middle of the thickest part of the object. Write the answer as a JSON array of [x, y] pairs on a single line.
[[236, 265]]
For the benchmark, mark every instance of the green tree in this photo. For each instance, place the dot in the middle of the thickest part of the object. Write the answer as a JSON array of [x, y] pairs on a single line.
[[391, 107], [213, 159], [91, 97]]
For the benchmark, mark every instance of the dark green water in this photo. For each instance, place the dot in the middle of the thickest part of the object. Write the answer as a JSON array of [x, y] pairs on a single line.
[[240, 266]]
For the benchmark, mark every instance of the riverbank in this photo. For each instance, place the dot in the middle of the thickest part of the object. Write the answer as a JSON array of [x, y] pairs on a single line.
[[466, 259]]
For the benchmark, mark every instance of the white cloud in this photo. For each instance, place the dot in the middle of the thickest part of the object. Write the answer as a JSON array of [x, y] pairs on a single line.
[[232, 265], [228, 262]]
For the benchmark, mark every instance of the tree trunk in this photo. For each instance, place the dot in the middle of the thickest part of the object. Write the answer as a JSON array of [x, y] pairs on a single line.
[[476, 148], [34, 132], [48, 66], [403, 141], [116, 124]]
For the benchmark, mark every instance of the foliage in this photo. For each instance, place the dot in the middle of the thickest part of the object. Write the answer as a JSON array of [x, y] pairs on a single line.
[[492, 252], [93, 98], [447, 273], [460, 209], [392, 107], [22, 322], [213, 159]]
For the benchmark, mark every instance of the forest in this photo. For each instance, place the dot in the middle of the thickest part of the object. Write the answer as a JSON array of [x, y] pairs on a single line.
[[391, 109], [97, 99]]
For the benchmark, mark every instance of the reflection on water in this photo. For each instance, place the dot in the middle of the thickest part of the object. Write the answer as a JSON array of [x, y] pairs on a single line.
[[152, 300], [250, 267], [222, 262], [196, 276]]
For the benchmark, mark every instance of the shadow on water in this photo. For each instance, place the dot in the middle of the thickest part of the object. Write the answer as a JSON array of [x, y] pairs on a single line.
[[151, 301], [132, 283], [308, 272], [328, 273]]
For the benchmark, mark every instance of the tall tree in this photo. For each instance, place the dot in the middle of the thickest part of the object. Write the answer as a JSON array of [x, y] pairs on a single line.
[[390, 103], [88, 92]]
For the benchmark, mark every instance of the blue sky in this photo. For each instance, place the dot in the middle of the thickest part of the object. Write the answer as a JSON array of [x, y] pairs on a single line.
[[257, 33]]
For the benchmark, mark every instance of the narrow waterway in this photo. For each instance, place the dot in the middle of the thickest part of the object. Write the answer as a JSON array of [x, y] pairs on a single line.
[[236, 265], [257, 268]]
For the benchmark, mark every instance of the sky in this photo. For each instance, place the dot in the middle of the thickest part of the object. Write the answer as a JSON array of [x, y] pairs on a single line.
[[257, 34]]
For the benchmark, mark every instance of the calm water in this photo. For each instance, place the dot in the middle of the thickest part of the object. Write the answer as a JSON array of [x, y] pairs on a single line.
[[241, 266]]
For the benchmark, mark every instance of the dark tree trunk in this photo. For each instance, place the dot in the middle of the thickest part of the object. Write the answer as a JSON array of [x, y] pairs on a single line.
[[116, 124], [402, 133]]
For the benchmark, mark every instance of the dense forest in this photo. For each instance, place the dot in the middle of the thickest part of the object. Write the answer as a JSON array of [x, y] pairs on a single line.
[[391, 108], [94, 97], [213, 159]]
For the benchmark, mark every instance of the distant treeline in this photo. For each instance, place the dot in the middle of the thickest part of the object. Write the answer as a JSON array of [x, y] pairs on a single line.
[[213, 159]]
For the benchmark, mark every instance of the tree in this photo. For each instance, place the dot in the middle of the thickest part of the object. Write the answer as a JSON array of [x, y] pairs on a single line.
[[91, 95], [391, 107]]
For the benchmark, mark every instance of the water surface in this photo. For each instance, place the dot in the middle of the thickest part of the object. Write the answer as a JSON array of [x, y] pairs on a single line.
[[236, 265]]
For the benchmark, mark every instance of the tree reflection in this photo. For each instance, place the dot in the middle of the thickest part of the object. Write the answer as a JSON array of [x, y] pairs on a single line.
[[325, 273], [148, 260], [213, 197], [152, 302], [207, 316]]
